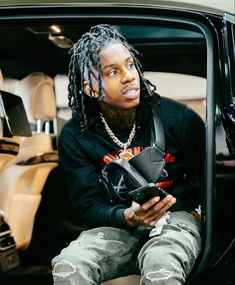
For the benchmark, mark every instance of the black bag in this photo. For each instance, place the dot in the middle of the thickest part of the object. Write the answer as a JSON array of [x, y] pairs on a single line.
[[121, 176]]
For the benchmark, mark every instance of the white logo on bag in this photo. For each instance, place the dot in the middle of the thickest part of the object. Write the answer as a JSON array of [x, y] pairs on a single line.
[[118, 188]]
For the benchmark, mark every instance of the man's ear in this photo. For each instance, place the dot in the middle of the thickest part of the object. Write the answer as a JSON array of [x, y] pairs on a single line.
[[87, 88]]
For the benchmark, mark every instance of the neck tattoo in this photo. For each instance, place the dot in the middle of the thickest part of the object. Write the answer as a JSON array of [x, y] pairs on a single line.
[[124, 154]]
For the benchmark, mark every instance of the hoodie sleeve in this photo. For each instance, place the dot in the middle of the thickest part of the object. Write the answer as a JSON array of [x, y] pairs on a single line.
[[86, 193]]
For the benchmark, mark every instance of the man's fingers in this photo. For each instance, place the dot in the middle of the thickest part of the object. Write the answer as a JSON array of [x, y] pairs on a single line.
[[150, 203], [150, 212], [153, 218], [135, 206], [168, 201]]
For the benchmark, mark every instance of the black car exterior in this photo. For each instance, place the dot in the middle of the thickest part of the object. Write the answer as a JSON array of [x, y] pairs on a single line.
[[217, 261]]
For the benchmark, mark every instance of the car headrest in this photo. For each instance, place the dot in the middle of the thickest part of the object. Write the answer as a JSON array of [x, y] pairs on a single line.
[[37, 93], [61, 90]]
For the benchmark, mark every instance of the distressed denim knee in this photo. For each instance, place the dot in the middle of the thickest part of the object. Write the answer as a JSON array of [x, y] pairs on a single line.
[[97, 255], [169, 257], [64, 269], [75, 265]]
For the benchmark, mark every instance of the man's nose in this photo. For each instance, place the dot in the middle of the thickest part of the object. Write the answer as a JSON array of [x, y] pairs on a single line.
[[128, 76]]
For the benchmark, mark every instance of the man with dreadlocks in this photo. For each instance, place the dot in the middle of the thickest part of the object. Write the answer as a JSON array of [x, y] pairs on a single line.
[[111, 104]]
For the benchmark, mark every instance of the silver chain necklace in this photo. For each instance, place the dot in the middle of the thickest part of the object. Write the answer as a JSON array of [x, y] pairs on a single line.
[[114, 138]]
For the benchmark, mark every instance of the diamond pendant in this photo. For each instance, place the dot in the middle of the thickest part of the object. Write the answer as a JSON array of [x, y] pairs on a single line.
[[126, 155]]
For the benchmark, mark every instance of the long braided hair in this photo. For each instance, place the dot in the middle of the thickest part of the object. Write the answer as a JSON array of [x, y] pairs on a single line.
[[84, 55]]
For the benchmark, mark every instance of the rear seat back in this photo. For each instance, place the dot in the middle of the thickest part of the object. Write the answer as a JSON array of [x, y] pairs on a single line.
[[187, 89]]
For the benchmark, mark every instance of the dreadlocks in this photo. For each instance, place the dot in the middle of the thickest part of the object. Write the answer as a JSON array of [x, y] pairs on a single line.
[[84, 55]]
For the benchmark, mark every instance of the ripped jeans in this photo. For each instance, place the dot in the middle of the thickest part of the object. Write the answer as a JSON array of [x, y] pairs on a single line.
[[106, 253]]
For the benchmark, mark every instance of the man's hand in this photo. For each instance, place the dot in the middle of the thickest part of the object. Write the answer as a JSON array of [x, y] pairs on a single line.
[[148, 213]]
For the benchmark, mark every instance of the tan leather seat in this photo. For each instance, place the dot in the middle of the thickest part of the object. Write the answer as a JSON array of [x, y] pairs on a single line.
[[23, 178]]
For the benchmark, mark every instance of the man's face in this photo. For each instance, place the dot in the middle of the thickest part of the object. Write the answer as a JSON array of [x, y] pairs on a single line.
[[120, 78]]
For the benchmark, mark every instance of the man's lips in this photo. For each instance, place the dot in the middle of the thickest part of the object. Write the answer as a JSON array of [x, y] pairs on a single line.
[[129, 89], [131, 92]]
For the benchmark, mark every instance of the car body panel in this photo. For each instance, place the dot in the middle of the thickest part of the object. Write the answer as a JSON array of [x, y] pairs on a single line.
[[213, 6]]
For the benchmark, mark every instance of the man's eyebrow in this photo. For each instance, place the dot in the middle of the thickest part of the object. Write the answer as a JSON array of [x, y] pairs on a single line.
[[109, 65], [114, 64]]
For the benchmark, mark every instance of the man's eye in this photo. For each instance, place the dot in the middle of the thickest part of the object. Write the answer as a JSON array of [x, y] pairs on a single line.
[[131, 65], [112, 73]]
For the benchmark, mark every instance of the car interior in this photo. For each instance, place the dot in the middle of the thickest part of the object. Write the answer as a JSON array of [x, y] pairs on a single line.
[[34, 60]]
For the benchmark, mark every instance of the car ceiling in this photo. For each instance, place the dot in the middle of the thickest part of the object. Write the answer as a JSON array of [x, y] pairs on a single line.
[[26, 49]]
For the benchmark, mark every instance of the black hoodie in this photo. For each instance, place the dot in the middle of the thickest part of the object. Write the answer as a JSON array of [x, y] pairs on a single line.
[[82, 155]]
